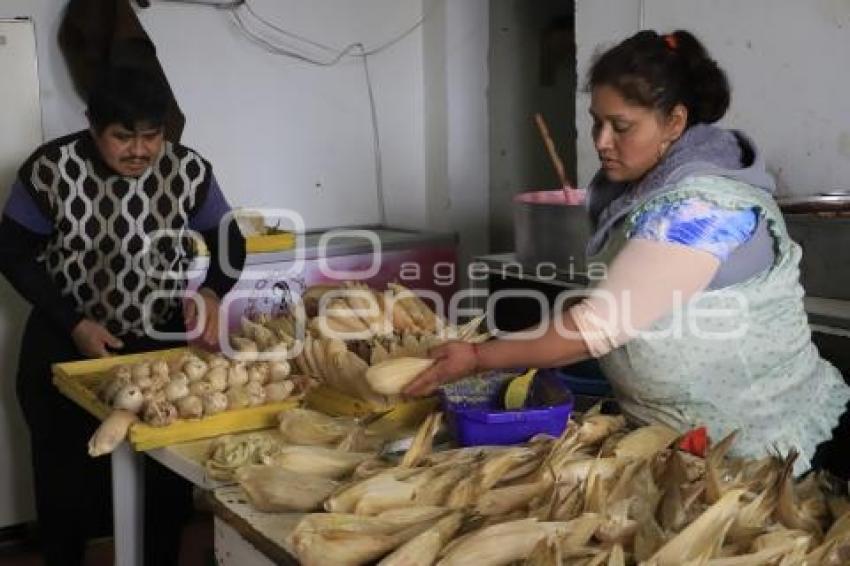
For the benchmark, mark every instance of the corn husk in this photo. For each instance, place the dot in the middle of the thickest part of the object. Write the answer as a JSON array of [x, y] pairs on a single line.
[[715, 487], [392, 376], [500, 544], [317, 460], [422, 441], [501, 501], [423, 549], [385, 490], [596, 428], [787, 511], [274, 490], [645, 442], [547, 552], [228, 453], [304, 426], [111, 432], [702, 538], [348, 540]]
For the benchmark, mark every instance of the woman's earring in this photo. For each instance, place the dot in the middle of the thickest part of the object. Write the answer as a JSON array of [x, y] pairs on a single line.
[[662, 149]]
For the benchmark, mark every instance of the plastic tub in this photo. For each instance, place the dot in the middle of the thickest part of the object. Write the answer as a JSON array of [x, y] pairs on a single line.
[[474, 417]]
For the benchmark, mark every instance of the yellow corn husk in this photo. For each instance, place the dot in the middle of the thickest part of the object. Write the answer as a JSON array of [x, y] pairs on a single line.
[[320, 361], [764, 557], [496, 467], [426, 318], [596, 492], [504, 500], [754, 515], [262, 336], [413, 514], [787, 512], [648, 539], [645, 442], [363, 304], [574, 472], [468, 330], [702, 538], [352, 370], [392, 376], [617, 528], [379, 354], [307, 427], [567, 503], [346, 540], [111, 432], [547, 552], [385, 490], [617, 556], [437, 491], [500, 544], [579, 531], [361, 440], [317, 460], [714, 485], [464, 493], [423, 549], [840, 528], [596, 428], [401, 316], [422, 442], [274, 490], [226, 454]]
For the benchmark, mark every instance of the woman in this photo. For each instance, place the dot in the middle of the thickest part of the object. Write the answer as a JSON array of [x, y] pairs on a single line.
[[700, 319]]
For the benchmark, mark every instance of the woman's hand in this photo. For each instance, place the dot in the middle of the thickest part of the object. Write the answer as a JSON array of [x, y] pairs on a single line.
[[209, 323], [455, 360], [92, 339]]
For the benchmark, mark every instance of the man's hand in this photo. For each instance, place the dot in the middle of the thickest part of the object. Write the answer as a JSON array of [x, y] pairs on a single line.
[[92, 339], [209, 323], [454, 361]]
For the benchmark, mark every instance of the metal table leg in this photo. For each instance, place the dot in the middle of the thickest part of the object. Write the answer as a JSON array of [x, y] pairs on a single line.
[[128, 505]]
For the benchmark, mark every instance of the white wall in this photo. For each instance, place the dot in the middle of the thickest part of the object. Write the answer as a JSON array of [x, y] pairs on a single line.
[[280, 132], [786, 61], [274, 128], [20, 122], [455, 61]]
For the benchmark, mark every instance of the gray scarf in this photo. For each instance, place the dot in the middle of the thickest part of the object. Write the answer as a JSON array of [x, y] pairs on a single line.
[[701, 150]]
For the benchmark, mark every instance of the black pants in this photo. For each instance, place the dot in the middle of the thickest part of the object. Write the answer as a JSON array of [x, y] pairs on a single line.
[[73, 490], [834, 454]]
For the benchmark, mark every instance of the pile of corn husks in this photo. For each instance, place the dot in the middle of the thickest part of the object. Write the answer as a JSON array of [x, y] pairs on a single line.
[[598, 495]]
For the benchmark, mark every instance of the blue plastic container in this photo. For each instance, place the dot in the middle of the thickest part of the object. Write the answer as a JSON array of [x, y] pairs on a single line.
[[474, 417]]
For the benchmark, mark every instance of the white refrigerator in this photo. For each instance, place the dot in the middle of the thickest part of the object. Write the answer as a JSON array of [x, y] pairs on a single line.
[[20, 134]]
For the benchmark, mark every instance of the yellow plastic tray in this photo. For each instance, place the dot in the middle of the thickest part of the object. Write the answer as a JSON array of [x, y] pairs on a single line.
[[384, 417], [260, 244], [78, 381]]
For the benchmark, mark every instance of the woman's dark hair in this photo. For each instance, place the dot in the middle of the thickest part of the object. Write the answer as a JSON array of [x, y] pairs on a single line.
[[128, 96], [661, 71]]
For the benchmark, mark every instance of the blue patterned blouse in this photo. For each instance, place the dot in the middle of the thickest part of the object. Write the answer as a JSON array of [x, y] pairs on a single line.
[[699, 224]]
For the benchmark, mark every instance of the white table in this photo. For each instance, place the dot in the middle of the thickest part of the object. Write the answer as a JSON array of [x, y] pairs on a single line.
[[128, 490]]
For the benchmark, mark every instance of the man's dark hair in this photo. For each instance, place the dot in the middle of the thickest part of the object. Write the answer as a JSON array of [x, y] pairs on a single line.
[[128, 96]]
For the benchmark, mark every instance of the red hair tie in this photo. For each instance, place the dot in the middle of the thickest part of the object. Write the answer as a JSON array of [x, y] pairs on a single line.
[[671, 41]]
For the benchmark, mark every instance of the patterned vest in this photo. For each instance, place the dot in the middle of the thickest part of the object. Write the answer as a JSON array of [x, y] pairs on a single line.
[[121, 246]]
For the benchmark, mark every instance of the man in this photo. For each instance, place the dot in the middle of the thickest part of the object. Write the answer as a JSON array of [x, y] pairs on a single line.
[[96, 235]]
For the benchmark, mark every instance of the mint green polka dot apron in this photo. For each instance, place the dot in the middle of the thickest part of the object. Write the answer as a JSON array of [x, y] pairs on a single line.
[[740, 357]]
